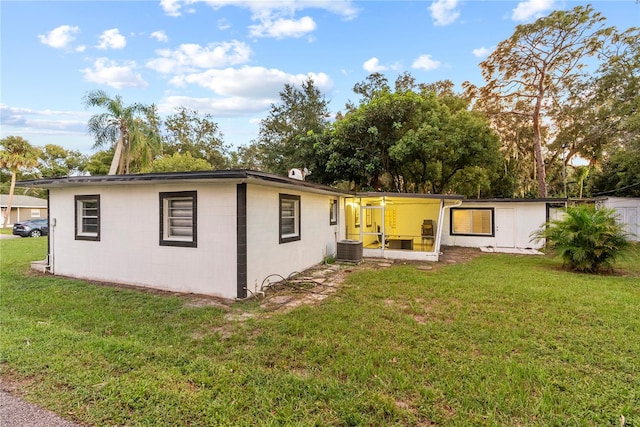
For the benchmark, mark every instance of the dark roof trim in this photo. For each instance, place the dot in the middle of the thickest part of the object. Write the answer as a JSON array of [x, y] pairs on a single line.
[[410, 195], [234, 174], [540, 200]]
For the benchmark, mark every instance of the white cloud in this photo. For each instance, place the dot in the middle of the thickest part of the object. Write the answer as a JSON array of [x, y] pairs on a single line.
[[219, 107], [424, 62], [223, 24], [250, 82], [444, 12], [281, 28], [238, 92], [373, 65], [265, 8], [112, 74], [111, 39], [481, 52], [531, 9], [60, 37], [190, 57], [274, 18], [43, 121], [171, 7], [81, 48], [159, 36]]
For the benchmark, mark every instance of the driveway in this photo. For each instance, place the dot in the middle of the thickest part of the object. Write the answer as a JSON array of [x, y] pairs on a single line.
[[8, 236], [15, 412]]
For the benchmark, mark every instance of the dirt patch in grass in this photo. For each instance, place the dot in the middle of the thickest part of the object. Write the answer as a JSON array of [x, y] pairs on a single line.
[[319, 282]]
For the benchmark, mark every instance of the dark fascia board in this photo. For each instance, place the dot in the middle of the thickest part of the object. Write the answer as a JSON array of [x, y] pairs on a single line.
[[410, 195], [539, 200], [231, 174]]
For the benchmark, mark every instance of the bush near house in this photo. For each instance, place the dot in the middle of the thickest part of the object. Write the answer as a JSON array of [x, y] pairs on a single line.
[[587, 239]]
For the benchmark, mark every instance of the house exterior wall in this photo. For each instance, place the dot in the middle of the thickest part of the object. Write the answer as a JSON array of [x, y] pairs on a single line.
[[628, 209], [128, 251], [266, 255], [23, 214], [527, 217]]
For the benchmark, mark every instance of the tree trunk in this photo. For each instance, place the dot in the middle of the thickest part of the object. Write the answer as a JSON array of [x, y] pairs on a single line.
[[537, 148], [116, 158], [7, 213]]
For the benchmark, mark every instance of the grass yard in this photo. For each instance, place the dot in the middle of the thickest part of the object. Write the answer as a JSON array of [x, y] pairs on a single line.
[[500, 340]]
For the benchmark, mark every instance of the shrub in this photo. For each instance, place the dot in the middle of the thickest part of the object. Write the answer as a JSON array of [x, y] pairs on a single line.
[[587, 239]]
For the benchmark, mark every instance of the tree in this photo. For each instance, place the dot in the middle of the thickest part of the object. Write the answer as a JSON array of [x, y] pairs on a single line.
[[603, 114], [99, 162], [620, 174], [282, 142], [187, 131], [446, 152], [121, 126], [411, 139], [530, 73], [179, 162], [56, 161], [16, 154], [587, 239]]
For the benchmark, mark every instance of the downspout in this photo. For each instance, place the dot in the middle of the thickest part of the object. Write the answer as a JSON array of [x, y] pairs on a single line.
[[50, 237], [440, 222]]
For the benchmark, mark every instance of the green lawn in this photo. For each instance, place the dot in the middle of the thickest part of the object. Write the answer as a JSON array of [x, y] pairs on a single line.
[[501, 340]]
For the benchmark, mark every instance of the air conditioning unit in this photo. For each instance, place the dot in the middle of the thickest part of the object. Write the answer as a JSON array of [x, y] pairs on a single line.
[[350, 251]]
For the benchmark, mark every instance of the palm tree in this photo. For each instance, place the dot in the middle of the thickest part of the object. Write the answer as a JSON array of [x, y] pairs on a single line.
[[16, 154], [121, 125], [587, 239]]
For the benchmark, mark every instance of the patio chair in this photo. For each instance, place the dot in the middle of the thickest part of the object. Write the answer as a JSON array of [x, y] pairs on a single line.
[[428, 235]]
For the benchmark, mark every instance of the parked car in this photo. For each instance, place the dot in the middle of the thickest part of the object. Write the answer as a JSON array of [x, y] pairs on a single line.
[[32, 228]]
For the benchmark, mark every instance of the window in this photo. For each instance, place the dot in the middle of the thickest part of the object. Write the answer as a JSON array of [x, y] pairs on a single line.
[[289, 218], [35, 213], [472, 221], [88, 217], [333, 212], [178, 219]]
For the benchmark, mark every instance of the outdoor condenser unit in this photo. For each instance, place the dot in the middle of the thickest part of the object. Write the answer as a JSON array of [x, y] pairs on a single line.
[[349, 251]]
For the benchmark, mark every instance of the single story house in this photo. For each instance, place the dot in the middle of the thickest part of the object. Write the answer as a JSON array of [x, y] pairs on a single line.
[[499, 223], [23, 208], [223, 233], [628, 209], [219, 233]]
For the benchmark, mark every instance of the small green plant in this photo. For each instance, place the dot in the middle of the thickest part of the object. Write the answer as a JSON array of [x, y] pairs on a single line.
[[330, 259], [587, 239]]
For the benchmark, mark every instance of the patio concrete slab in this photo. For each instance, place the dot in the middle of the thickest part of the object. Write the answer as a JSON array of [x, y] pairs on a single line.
[[519, 251]]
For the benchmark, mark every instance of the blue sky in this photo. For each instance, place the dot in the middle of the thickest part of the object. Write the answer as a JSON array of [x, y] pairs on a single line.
[[231, 58]]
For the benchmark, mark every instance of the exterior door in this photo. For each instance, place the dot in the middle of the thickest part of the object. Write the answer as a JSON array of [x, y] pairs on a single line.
[[505, 228]]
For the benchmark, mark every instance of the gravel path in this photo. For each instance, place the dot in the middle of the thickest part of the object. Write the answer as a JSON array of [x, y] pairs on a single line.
[[15, 412]]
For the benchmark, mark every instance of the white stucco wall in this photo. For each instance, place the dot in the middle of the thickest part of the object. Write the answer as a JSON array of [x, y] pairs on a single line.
[[129, 252], [266, 255], [527, 218]]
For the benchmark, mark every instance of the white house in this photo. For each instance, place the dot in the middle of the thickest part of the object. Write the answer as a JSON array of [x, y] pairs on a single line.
[[217, 233], [628, 209], [499, 223], [222, 233]]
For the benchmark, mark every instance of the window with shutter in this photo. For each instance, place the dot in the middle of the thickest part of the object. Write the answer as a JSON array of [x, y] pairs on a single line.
[[178, 219]]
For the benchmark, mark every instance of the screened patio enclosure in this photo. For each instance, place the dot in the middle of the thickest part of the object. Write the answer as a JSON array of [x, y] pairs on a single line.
[[400, 226]]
